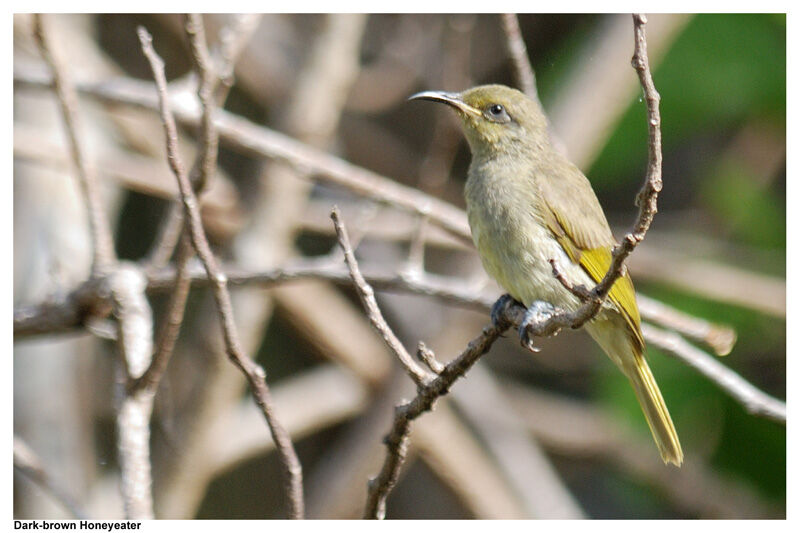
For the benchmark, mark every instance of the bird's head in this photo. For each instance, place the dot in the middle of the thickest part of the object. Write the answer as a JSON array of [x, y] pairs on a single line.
[[495, 118]]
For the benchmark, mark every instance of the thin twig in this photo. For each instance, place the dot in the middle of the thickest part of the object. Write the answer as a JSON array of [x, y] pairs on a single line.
[[427, 356], [397, 440], [103, 246], [429, 390], [523, 73], [203, 168], [646, 200], [168, 335], [254, 373], [418, 374], [206, 161]]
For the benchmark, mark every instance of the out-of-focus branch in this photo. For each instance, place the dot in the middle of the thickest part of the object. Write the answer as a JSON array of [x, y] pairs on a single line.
[[67, 315], [28, 463], [584, 119], [754, 401], [254, 373], [523, 73], [68, 101], [251, 138], [576, 429], [233, 40], [135, 342], [719, 337]]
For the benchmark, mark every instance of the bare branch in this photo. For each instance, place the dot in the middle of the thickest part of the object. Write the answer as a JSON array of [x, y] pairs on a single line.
[[646, 200], [170, 329], [418, 374], [312, 163], [427, 356], [397, 439], [254, 373], [205, 163], [429, 390], [523, 73], [416, 247], [135, 343], [719, 337], [755, 401], [66, 317], [68, 101], [234, 39]]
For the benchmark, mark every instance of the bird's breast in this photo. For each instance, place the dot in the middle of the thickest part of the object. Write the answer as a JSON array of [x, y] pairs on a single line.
[[513, 242]]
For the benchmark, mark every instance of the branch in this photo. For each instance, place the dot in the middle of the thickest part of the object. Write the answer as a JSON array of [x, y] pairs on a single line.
[[204, 167], [397, 440], [168, 334], [720, 338], [66, 317], [429, 390], [755, 401], [523, 73], [254, 373], [646, 200], [233, 40], [134, 409], [251, 138], [103, 246], [418, 374]]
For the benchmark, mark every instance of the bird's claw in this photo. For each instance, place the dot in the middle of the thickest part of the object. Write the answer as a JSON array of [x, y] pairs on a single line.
[[538, 313], [499, 309]]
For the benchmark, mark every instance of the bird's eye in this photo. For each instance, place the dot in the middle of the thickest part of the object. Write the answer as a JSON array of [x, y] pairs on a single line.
[[497, 113]]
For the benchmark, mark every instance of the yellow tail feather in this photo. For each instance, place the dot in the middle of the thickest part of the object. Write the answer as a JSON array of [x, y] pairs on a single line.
[[655, 411], [626, 354]]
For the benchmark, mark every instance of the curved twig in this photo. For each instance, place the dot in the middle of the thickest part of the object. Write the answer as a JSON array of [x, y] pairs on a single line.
[[254, 373]]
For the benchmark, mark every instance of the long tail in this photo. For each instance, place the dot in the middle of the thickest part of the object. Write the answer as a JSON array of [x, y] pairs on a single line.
[[628, 357]]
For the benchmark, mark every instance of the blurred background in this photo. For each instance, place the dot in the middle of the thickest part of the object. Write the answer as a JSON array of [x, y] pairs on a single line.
[[556, 433]]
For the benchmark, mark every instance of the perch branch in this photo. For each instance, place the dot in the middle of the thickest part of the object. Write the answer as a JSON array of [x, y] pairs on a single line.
[[429, 390], [646, 200]]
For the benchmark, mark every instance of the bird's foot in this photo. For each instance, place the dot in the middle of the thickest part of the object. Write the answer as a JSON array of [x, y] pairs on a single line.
[[538, 313], [499, 309]]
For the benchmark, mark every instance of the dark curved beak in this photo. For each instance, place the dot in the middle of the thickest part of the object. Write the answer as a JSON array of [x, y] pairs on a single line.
[[452, 99]]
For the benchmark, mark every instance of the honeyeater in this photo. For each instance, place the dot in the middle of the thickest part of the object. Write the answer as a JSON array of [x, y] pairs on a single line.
[[528, 205]]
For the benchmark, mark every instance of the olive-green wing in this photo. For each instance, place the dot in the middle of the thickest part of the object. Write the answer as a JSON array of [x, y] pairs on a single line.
[[593, 252]]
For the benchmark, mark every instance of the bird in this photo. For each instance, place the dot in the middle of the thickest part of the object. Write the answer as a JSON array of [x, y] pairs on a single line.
[[527, 206]]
